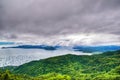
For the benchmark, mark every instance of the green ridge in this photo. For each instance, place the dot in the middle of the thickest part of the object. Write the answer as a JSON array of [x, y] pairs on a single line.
[[104, 66]]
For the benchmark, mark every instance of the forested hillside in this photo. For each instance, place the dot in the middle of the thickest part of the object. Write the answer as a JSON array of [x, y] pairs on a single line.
[[104, 66]]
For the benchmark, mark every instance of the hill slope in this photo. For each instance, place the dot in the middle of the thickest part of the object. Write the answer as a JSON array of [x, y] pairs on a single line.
[[72, 64]]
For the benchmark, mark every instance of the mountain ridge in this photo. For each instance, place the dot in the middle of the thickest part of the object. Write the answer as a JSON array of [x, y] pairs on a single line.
[[104, 66], [88, 49], [82, 63]]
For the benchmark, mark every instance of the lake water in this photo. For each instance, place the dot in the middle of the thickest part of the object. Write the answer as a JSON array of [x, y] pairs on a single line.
[[17, 57]]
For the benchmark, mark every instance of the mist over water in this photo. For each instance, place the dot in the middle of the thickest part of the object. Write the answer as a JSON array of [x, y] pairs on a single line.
[[16, 57]]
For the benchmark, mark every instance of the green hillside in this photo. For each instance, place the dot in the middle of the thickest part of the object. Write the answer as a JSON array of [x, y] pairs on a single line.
[[104, 66]]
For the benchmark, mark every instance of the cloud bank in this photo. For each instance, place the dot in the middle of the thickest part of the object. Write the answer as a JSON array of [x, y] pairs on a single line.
[[87, 22]]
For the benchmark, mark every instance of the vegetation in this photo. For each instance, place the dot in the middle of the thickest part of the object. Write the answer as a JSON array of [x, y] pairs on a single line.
[[104, 66]]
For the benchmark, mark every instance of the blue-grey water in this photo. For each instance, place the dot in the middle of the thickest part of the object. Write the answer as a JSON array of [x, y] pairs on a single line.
[[15, 57]]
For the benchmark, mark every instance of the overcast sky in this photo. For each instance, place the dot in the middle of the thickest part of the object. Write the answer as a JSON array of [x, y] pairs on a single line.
[[83, 22]]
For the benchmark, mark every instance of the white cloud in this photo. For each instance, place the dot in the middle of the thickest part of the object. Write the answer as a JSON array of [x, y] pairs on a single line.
[[69, 39]]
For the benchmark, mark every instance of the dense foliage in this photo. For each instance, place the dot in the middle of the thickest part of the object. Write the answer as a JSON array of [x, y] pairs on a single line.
[[104, 66]]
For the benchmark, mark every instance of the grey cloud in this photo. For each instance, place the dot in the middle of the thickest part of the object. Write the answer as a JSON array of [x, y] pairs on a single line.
[[111, 4], [57, 17]]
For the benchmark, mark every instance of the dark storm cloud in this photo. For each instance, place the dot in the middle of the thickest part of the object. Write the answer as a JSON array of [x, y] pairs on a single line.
[[57, 17]]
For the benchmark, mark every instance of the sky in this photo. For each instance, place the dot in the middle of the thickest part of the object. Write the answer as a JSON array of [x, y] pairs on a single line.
[[64, 22]]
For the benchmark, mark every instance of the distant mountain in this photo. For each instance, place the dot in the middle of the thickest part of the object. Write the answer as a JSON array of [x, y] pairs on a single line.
[[6, 43], [90, 49], [72, 65], [34, 47]]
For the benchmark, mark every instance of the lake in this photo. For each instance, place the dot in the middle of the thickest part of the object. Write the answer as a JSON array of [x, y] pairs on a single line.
[[16, 57]]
